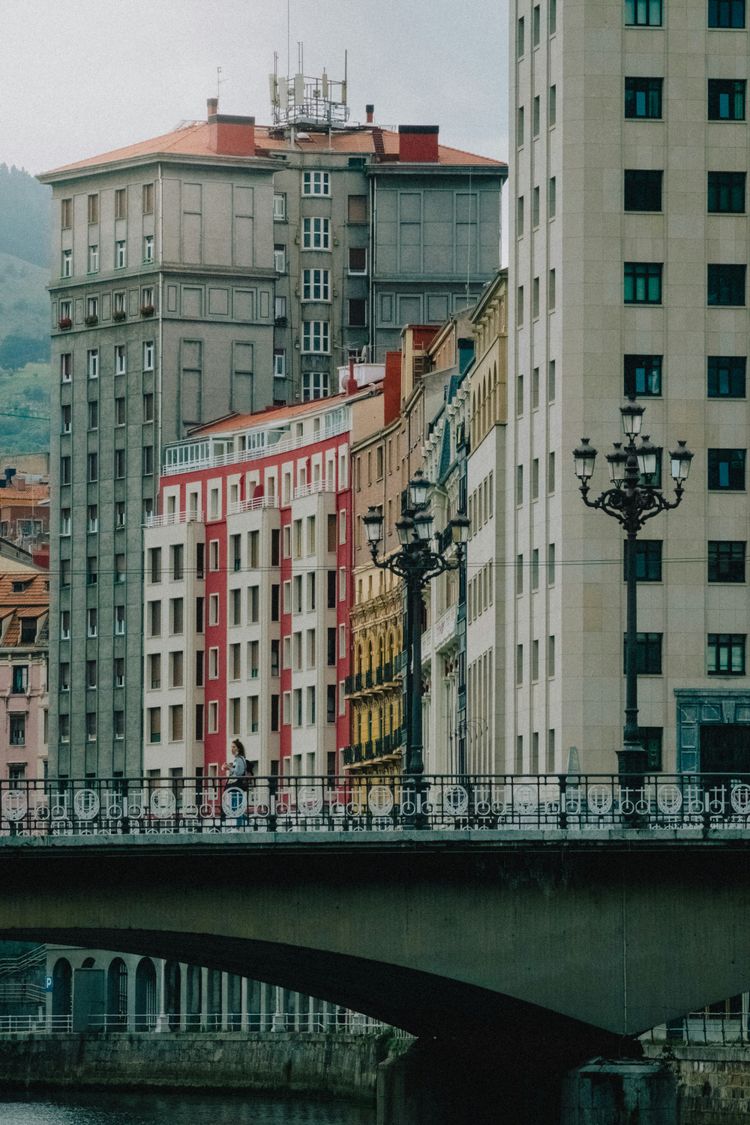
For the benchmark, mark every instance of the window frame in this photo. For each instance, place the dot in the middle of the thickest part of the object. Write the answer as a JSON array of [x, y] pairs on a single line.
[[653, 10], [722, 280], [728, 646], [727, 561], [729, 187], [639, 274], [651, 89], [732, 89], [642, 375]]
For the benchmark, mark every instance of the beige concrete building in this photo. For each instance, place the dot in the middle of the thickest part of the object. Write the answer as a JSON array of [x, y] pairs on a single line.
[[628, 251]]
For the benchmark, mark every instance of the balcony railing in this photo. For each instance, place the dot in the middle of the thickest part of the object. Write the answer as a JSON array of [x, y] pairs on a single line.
[[171, 519], [381, 676], [239, 456]]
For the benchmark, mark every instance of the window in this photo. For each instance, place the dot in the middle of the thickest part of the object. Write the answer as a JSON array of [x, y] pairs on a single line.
[[148, 407], [65, 470], [316, 234], [20, 679], [279, 363], [121, 203], [651, 741], [119, 620], [92, 363], [643, 13], [118, 305], [65, 625], [148, 460], [91, 623], [120, 411], [120, 465], [642, 283], [647, 560], [535, 26], [726, 285], [520, 126], [148, 199], [66, 367], [648, 653], [93, 258], [726, 561], [357, 315], [120, 574], [726, 99], [726, 193], [642, 190], [643, 97], [147, 300], [148, 355], [66, 415], [552, 106], [520, 37], [176, 614], [154, 618], [93, 208], [92, 519], [120, 255], [519, 216], [316, 183], [357, 259], [92, 311], [535, 116], [18, 730], [726, 654], [357, 208], [642, 375], [316, 285], [279, 258], [66, 213], [120, 359], [552, 18], [726, 13], [92, 468], [315, 337], [279, 207], [726, 470], [91, 570], [66, 265], [726, 376]]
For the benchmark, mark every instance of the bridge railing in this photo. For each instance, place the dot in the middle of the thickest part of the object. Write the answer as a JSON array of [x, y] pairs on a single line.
[[703, 1028], [301, 1023], [119, 806]]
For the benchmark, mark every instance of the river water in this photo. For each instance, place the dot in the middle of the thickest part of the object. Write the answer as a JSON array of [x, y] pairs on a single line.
[[176, 1109]]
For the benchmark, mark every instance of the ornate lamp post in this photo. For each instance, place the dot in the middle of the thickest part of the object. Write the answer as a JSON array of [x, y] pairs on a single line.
[[634, 498], [416, 563]]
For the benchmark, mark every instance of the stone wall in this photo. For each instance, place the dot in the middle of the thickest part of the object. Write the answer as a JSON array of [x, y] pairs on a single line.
[[713, 1083], [326, 1064]]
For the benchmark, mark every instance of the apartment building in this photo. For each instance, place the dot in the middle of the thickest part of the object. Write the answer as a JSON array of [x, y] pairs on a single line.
[[628, 261], [247, 591], [221, 267], [24, 613]]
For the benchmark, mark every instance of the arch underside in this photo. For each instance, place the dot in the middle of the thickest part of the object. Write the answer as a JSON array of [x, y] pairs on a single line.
[[421, 1003]]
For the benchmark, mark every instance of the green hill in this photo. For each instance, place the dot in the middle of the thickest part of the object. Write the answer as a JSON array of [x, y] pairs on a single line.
[[24, 409], [24, 216], [24, 303]]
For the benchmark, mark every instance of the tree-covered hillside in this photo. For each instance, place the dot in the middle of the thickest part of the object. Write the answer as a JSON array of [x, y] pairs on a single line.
[[24, 313], [24, 216]]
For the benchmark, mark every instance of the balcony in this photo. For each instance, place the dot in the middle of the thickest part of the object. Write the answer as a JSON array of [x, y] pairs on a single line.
[[171, 519]]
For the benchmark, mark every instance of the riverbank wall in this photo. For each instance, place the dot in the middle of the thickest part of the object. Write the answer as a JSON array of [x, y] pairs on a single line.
[[713, 1082], [325, 1064]]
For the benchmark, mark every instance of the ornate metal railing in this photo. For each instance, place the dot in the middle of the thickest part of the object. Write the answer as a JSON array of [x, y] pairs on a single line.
[[575, 803]]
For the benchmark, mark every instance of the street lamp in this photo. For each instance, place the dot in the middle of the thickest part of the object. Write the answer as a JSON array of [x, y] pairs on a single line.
[[634, 498], [416, 562]]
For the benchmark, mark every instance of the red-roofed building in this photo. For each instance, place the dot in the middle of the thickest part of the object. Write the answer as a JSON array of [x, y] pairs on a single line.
[[222, 267], [247, 596]]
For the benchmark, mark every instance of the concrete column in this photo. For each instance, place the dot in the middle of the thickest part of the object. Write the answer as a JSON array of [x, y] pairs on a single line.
[[162, 1020], [244, 1025], [619, 1092], [183, 995], [278, 1013], [224, 1002], [204, 998], [132, 965]]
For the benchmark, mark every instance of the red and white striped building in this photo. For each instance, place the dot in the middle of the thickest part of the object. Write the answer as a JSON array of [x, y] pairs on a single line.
[[247, 589]]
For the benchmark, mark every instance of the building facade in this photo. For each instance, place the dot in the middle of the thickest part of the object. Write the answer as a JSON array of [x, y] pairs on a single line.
[[247, 596], [628, 261], [222, 267], [24, 614]]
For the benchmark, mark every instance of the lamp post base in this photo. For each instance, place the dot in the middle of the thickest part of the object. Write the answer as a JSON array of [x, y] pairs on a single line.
[[631, 769]]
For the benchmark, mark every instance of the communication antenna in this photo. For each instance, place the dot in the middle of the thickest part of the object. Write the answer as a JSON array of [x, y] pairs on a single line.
[[219, 81]]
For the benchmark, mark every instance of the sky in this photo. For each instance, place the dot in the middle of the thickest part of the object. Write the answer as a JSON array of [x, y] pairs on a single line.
[[80, 77]]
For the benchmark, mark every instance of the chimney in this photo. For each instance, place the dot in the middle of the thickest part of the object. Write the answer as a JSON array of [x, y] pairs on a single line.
[[370, 111], [229, 135], [351, 382], [418, 144]]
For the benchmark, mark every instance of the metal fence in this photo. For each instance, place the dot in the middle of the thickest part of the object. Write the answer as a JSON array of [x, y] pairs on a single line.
[[117, 806], [703, 1029], [300, 1023]]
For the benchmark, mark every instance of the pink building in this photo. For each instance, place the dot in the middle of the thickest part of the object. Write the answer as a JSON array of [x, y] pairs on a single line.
[[24, 613], [247, 591]]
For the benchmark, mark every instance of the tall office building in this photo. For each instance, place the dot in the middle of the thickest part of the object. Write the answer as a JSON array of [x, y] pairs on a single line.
[[220, 268], [627, 275]]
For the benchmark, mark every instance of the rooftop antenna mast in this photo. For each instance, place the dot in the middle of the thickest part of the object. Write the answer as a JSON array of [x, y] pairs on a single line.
[[219, 81]]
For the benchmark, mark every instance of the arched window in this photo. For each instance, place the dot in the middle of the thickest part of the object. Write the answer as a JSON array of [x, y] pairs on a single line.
[[117, 994], [145, 995], [62, 988]]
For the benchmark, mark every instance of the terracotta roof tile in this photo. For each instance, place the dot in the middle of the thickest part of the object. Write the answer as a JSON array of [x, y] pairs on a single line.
[[193, 139]]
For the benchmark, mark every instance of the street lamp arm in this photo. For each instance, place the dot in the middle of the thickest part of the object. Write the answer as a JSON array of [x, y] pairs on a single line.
[[632, 508], [415, 565]]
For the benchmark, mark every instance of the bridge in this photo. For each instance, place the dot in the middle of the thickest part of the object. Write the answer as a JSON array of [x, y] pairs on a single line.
[[533, 911]]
